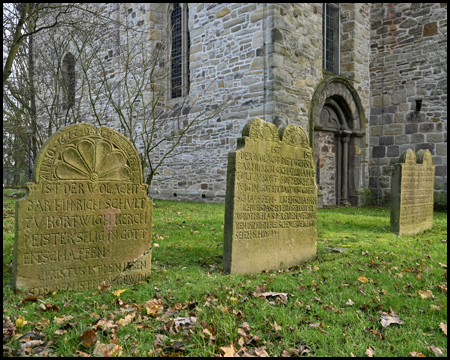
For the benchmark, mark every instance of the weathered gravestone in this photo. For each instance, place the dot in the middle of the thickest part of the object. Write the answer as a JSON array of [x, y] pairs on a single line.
[[271, 200], [412, 193], [87, 217]]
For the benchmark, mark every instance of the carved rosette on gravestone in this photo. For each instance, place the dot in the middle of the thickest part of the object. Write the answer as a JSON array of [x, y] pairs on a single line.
[[412, 193], [87, 217], [271, 200]]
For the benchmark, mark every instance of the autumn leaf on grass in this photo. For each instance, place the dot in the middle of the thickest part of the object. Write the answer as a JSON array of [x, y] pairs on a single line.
[[126, 320], [8, 328], [275, 326], [443, 328], [282, 296], [64, 318], [154, 307], [185, 322], [426, 294], [228, 351], [118, 292], [28, 299], [436, 350], [349, 302], [48, 307], [103, 324], [390, 317], [415, 354], [363, 279], [103, 287], [370, 352], [88, 338], [109, 350], [21, 322]]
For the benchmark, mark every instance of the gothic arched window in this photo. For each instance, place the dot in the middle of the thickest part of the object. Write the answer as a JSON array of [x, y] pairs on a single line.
[[68, 80], [331, 41], [180, 46]]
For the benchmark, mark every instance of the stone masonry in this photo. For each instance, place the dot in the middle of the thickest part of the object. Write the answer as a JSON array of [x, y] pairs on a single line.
[[390, 93], [408, 75]]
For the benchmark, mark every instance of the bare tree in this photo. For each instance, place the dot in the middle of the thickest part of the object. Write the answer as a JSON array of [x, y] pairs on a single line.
[[121, 80]]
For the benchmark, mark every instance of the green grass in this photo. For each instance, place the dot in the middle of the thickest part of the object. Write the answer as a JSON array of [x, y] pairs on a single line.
[[187, 277]]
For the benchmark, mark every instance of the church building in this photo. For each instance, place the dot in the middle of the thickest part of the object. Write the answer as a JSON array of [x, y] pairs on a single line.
[[365, 81]]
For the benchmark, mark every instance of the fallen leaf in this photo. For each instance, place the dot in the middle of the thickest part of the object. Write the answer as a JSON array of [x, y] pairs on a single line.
[[261, 352], [185, 322], [416, 354], [425, 294], [388, 319], [443, 328], [364, 307], [60, 332], [370, 352], [315, 268], [21, 322], [282, 296], [8, 328], [436, 350], [349, 302], [363, 279], [31, 343], [275, 326], [228, 351], [245, 326], [118, 292], [28, 299], [154, 307], [443, 265], [88, 338], [126, 320], [62, 319], [103, 287]]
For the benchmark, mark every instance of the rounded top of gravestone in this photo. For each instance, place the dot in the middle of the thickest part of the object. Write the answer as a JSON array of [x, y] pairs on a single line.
[[83, 152], [424, 157], [408, 157], [259, 129], [294, 135]]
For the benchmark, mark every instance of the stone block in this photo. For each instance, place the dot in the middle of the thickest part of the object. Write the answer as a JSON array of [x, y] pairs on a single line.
[[394, 129], [87, 217], [223, 12], [393, 151], [271, 200], [411, 128], [412, 193]]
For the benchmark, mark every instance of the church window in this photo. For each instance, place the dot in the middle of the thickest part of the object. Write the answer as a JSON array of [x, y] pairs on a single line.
[[331, 37], [180, 48], [68, 80]]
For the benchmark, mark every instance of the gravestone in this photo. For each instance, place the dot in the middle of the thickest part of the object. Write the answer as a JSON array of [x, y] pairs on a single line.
[[271, 200], [412, 193], [86, 218]]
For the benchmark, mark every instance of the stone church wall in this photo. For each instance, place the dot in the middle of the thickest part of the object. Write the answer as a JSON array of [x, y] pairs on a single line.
[[408, 75], [269, 59]]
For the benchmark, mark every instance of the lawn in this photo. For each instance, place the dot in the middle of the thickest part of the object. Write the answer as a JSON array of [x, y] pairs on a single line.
[[368, 293]]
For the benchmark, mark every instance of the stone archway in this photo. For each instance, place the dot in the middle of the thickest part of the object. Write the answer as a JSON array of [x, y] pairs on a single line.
[[338, 127]]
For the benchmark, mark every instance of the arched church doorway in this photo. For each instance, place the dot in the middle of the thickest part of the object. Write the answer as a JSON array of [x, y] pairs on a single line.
[[337, 123]]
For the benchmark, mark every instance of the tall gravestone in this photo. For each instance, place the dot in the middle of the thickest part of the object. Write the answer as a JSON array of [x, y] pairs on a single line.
[[412, 193], [86, 218], [271, 200]]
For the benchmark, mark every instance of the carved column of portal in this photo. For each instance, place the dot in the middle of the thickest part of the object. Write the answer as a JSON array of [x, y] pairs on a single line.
[[345, 140]]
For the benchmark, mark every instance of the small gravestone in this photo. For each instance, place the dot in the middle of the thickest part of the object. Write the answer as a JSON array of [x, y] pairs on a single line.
[[87, 217], [271, 200], [412, 193]]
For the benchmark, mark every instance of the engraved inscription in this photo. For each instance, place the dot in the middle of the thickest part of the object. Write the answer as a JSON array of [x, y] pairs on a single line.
[[87, 218], [412, 193], [271, 190]]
